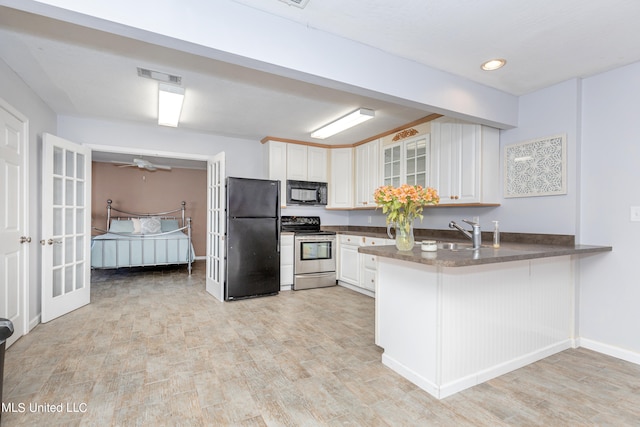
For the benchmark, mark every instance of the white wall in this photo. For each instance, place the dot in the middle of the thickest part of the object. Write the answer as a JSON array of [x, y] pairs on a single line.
[[547, 112], [609, 284], [41, 119], [243, 157]]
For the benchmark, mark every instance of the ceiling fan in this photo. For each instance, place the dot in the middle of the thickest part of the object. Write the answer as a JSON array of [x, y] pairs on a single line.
[[142, 164]]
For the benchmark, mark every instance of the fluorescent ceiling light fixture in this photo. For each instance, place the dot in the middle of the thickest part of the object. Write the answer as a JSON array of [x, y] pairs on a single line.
[[170, 100], [343, 123], [299, 3], [493, 64]]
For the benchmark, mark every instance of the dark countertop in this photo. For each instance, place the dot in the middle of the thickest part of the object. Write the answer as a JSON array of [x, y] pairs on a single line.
[[485, 255], [454, 235]]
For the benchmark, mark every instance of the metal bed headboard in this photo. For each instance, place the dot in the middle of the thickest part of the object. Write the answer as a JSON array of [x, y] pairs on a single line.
[[181, 209]]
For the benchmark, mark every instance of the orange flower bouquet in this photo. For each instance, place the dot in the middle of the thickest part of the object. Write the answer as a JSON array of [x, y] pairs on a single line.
[[403, 205]]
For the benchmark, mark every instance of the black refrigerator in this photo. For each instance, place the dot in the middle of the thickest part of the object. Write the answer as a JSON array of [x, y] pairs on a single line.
[[252, 238]]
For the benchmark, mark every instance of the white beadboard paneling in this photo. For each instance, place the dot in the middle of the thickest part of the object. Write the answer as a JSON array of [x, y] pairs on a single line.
[[484, 316], [492, 315], [406, 315], [447, 329]]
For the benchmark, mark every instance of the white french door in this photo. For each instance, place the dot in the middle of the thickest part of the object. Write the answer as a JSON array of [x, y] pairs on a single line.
[[66, 226], [14, 252], [216, 226]]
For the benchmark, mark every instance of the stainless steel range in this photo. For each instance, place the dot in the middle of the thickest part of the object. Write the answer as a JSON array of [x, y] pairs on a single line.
[[314, 252]]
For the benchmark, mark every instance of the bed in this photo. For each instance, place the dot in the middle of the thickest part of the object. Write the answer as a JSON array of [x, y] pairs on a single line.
[[141, 240]]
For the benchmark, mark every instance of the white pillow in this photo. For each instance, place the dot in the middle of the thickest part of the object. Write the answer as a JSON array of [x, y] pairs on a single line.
[[150, 225], [137, 226]]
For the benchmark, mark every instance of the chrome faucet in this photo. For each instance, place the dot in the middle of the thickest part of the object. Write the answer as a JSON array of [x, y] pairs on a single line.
[[475, 235]]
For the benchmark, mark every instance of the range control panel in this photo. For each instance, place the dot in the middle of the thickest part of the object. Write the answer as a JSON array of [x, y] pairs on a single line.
[[300, 223]]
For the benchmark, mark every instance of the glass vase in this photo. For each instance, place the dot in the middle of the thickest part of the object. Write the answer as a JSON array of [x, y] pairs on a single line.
[[404, 235]]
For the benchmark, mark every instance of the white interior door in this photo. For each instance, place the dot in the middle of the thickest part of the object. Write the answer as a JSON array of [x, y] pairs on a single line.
[[66, 226], [14, 261], [216, 225]]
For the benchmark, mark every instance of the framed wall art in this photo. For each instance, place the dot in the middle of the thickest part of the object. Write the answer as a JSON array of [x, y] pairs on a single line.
[[536, 168]]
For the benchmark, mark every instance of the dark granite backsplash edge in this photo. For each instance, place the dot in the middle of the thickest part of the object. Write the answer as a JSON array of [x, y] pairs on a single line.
[[487, 236]]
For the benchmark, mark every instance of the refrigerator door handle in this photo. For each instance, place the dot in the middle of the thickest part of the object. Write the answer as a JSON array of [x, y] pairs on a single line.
[[278, 234]]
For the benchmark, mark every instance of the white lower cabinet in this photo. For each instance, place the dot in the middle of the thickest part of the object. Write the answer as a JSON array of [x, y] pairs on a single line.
[[369, 263], [358, 271], [349, 260], [286, 261], [369, 272]]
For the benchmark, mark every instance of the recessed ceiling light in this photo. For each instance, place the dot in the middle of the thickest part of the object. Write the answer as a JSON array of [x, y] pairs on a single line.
[[493, 64]]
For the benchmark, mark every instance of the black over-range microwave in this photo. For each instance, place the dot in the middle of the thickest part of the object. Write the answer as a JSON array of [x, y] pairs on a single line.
[[306, 193]]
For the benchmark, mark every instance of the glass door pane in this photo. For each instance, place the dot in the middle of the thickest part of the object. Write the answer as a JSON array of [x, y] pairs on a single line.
[[416, 161], [391, 165]]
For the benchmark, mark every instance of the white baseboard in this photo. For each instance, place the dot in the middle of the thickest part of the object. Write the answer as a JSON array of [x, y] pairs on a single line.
[[33, 323], [419, 380], [357, 289], [445, 390], [610, 350]]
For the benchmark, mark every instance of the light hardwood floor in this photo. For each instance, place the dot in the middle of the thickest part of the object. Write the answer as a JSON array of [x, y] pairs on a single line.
[[153, 348]]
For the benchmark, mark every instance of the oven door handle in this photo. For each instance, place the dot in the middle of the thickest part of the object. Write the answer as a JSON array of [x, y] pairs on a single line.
[[315, 239]]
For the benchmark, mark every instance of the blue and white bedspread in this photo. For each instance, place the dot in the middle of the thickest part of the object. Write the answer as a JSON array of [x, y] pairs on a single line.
[[112, 250]]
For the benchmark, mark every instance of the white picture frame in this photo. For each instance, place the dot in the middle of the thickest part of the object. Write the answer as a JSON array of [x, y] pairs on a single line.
[[536, 168]]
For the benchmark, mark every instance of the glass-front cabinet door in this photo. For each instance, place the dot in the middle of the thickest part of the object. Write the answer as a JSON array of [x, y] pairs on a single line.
[[407, 162], [391, 166], [416, 156]]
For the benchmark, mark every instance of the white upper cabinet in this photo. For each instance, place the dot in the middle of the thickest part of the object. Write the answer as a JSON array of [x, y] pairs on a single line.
[[466, 169], [297, 162], [408, 162], [341, 180], [367, 173], [317, 164], [276, 159], [306, 163]]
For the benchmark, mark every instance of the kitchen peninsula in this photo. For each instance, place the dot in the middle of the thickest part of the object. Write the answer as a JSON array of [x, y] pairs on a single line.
[[451, 319]]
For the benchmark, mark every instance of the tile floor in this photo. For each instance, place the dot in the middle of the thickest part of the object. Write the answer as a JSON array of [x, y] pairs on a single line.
[[153, 349]]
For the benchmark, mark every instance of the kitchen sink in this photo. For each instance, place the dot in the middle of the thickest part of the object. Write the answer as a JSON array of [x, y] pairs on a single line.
[[454, 246]]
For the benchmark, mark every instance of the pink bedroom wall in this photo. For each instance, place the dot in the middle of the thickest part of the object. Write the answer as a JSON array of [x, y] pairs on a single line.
[[138, 190]]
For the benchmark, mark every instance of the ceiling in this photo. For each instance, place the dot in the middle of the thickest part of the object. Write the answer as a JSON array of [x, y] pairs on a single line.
[[83, 72]]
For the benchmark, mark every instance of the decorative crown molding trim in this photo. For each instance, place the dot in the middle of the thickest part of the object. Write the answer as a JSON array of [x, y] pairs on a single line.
[[405, 134]]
